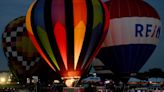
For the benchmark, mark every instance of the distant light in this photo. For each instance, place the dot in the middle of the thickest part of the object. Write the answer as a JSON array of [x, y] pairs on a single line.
[[49, 85], [107, 82], [35, 79], [9, 80], [94, 74], [56, 81], [28, 80], [133, 74], [2, 80]]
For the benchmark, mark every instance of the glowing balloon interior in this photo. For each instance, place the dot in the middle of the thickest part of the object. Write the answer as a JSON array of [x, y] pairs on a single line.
[[132, 37], [67, 33]]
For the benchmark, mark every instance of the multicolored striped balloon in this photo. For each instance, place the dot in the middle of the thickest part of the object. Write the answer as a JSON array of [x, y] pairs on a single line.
[[134, 33], [67, 33]]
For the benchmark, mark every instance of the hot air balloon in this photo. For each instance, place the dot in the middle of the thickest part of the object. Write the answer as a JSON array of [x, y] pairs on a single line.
[[23, 59], [67, 34], [133, 35]]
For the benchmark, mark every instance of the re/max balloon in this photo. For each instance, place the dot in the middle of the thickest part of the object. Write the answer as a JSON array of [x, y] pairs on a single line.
[[67, 33], [23, 59], [132, 37]]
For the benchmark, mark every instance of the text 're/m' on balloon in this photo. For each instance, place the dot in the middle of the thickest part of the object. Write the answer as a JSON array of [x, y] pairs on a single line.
[[133, 35]]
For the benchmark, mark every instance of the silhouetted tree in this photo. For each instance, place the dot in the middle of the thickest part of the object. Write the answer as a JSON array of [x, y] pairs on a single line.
[[143, 76], [156, 72]]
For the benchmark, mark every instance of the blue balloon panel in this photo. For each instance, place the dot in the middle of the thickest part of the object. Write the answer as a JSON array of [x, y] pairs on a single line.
[[126, 58]]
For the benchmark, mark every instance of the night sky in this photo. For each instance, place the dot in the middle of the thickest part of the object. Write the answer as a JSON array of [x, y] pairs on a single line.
[[11, 9]]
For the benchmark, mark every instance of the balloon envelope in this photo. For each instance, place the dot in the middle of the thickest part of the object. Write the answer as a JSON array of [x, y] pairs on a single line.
[[67, 33], [132, 37], [23, 59]]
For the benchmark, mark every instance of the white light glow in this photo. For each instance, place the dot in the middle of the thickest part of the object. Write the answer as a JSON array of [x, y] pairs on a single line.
[[2, 80], [56, 81], [69, 82]]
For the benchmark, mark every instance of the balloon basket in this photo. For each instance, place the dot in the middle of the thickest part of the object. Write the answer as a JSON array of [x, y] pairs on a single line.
[[73, 89]]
